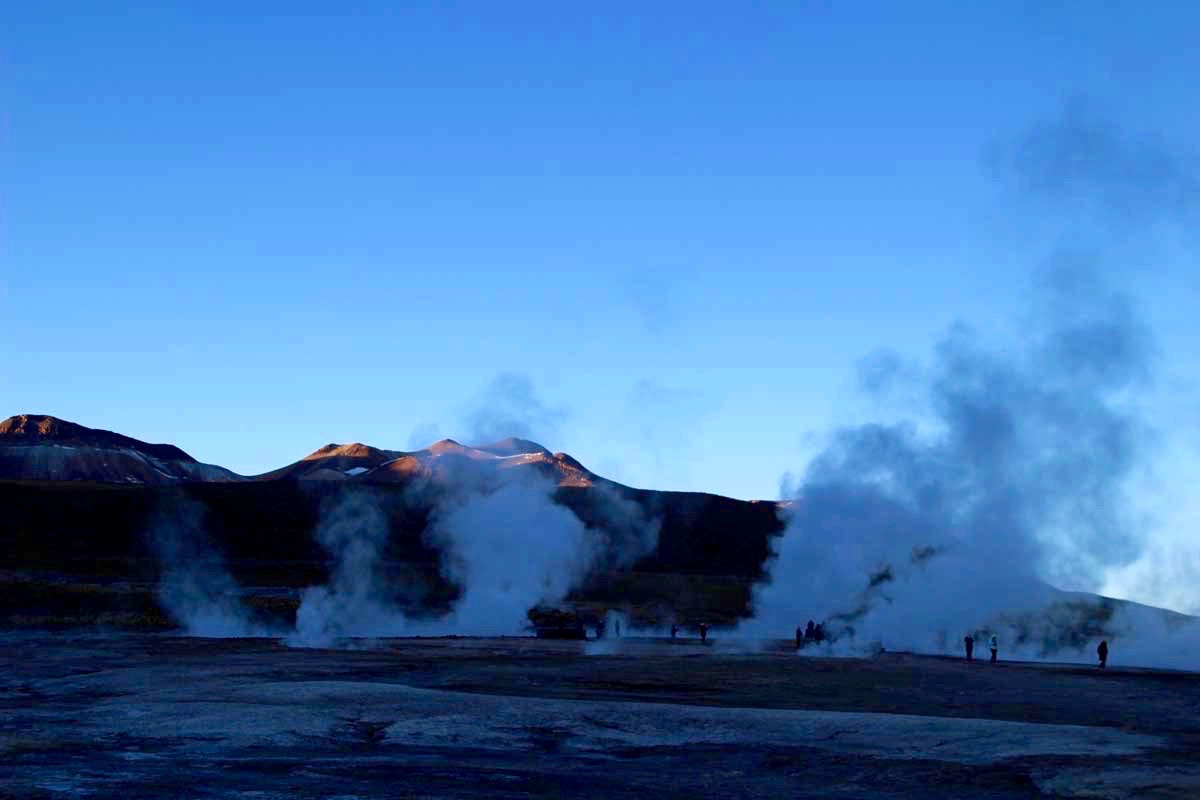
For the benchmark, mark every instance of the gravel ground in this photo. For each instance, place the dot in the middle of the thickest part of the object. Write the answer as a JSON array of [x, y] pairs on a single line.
[[154, 716]]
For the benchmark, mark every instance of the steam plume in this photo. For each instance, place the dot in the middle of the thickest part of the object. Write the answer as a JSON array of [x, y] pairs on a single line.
[[353, 530], [509, 549], [1084, 163], [195, 587], [505, 543], [509, 406], [914, 534]]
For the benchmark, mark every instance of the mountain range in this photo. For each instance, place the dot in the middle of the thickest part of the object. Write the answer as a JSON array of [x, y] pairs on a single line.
[[81, 505], [42, 447], [80, 502]]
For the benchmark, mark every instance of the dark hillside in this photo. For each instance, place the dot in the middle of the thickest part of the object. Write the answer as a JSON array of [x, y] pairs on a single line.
[[67, 534]]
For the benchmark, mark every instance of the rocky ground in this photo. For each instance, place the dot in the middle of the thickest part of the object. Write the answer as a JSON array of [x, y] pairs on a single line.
[[140, 716]]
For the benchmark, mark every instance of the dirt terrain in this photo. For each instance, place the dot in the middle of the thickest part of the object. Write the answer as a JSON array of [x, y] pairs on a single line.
[[140, 716]]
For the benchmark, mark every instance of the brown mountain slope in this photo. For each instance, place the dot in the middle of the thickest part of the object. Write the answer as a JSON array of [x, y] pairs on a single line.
[[448, 462], [445, 463], [34, 429], [42, 447], [333, 462]]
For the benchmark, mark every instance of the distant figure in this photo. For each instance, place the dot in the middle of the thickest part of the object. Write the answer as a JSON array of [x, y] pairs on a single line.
[[969, 643], [1102, 651], [674, 631], [617, 628], [600, 629], [703, 632], [994, 644], [799, 636], [819, 632], [810, 631]]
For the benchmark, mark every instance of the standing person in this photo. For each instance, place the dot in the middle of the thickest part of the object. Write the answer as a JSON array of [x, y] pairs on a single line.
[[1102, 651], [618, 628], [674, 630], [969, 643], [703, 632], [810, 630], [799, 636], [994, 644]]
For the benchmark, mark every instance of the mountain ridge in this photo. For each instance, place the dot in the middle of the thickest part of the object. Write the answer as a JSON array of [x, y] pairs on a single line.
[[710, 554], [48, 428], [445, 460], [44, 447]]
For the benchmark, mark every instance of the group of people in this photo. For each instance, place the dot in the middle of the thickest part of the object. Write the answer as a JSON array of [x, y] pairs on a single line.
[[814, 632], [810, 633], [994, 646]]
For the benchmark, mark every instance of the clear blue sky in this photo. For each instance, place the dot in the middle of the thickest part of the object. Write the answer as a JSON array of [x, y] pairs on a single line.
[[253, 232]]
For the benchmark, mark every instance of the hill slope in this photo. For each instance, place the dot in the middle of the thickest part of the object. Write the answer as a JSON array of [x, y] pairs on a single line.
[[41, 447], [446, 462], [83, 505]]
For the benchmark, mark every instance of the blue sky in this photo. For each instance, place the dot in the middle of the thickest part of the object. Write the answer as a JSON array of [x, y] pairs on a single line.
[[674, 231]]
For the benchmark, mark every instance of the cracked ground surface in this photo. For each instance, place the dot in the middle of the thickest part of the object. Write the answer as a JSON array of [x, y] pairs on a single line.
[[153, 716]]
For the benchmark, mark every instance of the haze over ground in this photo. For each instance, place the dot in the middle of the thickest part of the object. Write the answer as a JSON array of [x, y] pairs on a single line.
[[663, 242]]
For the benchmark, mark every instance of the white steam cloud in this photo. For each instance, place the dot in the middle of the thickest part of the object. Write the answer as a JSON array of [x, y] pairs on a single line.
[[195, 587], [353, 531], [1016, 479], [505, 543], [913, 536], [510, 549]]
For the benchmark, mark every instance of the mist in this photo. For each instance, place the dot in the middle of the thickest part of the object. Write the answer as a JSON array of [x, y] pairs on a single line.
[[1013, 479], [195, 587], [512, 548], [509, 549], [509, 406], [1009, 482], [356, 601], [1083, 164], [506, 548], [504, 543]]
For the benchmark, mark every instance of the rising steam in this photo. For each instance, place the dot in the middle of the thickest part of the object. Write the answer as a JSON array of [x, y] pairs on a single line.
[[356, 602], [913, 534], [504, 542], [195, 587], [1015, 477], [509, 549]]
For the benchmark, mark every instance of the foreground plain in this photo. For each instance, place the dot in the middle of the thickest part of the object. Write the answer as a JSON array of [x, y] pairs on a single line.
[[140, 716]]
